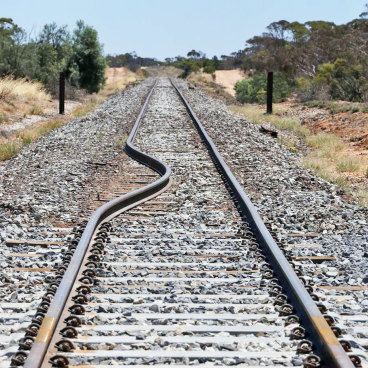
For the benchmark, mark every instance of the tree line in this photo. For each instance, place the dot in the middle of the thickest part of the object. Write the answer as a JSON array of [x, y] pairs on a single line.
[[55, 49], [195, 61], [320, 59], [316, 59], [131, 61]]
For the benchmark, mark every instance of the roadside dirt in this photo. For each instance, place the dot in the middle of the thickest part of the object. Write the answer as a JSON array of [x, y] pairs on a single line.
[[118, 78], [50, 111], [352, 127], [228, 79]]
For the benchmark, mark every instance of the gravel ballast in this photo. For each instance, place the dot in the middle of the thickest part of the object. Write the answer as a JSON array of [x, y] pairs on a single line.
[[44, 191], [46, 179], [292, 201], [289, 198], [176, 293], [47, 182]]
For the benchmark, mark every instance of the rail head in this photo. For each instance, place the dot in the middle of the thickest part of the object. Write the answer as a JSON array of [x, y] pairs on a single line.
[[36, 355], [326, 342]]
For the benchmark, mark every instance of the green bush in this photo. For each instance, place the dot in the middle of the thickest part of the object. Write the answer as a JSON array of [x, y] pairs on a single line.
[[210, 69], [261, 96], [306, 89], [188, 66], [344, 81], [254, 88]]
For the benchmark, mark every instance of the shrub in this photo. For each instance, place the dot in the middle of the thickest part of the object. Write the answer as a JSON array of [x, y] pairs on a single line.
[[188, 66], [261, 96], [309, 90], [210, 69], [254, 88], [242, 90], [344, 81]]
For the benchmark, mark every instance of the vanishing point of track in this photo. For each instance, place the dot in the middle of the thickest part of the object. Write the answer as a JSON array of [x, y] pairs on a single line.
[[136, 298]]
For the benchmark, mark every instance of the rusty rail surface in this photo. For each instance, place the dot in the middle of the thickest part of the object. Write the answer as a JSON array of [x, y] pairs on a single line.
[[37, 354], [326, 342]]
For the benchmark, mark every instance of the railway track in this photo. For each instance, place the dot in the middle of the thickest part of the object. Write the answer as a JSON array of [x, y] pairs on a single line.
[[180, 270]]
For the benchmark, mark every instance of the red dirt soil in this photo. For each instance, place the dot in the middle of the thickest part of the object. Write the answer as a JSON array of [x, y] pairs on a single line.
[[352, 127]]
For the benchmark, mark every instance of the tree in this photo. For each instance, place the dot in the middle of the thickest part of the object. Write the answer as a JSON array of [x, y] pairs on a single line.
[[269, 52], [299, 32], [131, 61], [365, 12], [88, 58], [12, 48], [216, 63], [54, 52], [194, 54]]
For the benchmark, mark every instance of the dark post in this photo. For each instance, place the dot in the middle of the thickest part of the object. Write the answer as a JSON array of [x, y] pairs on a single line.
[[269, 92], [61, 93]]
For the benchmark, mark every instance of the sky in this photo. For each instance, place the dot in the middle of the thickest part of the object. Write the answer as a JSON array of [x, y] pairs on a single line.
[[167, 28]]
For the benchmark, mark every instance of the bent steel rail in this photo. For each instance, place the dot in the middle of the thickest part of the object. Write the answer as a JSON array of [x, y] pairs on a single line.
[[326, 342], [37, 354]]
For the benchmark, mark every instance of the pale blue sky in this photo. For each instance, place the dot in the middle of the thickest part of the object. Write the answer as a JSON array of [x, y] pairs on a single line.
[[161, 28]]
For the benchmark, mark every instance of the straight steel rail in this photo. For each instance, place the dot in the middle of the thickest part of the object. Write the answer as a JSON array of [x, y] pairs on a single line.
[[326, 342], [36, 356]]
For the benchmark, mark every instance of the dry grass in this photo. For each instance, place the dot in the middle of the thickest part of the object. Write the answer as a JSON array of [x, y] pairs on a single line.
[[199, 77], [4, 118], [8, 150], [88, 105], [22, 90], [330, 144], [25, 97], [324, 167], [30, 135], [330, 158], [36, 110], [256, 115], [117, 79], [362, 195], [348, 164], [332, 161]]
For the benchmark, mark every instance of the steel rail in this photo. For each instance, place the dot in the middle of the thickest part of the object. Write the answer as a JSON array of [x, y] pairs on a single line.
[[39, 349], [326, 342]]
